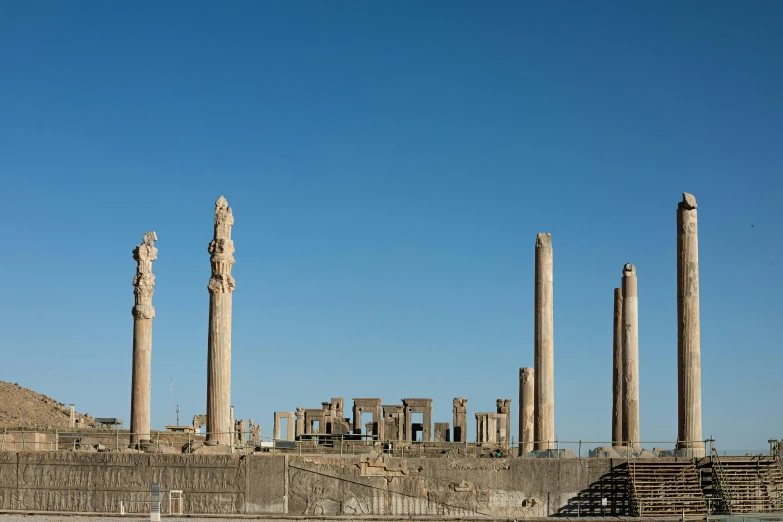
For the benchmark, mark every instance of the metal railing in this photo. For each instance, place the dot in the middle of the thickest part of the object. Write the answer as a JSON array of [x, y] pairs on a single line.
[[719, 481]]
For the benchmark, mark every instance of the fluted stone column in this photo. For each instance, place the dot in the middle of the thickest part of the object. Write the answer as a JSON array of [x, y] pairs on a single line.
[[688, 329], [617, 370], [143, 313], [221, 286], [630, 356], [544, 362], [526, 410]]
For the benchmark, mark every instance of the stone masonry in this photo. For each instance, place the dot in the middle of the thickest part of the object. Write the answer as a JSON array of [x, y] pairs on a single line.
[[221, 286], [544, 361], [460, 420], [688, 329], [617, 370], [630, 356], [278, 416], [526, 410], [143, 313]]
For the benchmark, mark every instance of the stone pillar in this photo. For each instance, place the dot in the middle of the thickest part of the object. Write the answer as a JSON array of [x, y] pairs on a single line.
[[426, 429], [221, 286], [688, 330], [503, 406], [289, 429], [300, 423], [617, 370], [544, 362], [630, 356], [143, 313], [276, 426], [460, 420], [442, 432], [231, 423], [357, 420], [239, 432], [526, 410]]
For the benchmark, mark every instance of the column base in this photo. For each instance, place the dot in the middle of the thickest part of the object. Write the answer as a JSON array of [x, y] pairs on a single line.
[[211, 443], [691, 449]]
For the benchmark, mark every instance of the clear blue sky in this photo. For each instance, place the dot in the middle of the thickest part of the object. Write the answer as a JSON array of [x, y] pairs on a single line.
[[389, 166]]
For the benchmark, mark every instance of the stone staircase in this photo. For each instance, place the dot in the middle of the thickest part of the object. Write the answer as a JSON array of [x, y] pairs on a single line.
[[665, 489], [752, 484]]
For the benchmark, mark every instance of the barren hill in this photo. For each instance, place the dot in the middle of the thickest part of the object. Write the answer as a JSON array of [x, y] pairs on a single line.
[[23, 408]]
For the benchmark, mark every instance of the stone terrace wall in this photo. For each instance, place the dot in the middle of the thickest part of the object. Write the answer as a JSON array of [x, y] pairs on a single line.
[[294, 485]]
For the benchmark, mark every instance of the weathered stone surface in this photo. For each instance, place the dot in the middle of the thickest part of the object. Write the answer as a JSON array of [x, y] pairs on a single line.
[[442, 432], [143, 313], [526, 410], [460, 419], [304, 485], [688, 329], [630, 356], [617, 369], [503, 406], [421, 405], [278, 416], [544, 362], [221, 286]]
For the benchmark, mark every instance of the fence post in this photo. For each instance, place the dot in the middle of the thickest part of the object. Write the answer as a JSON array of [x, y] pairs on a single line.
[[117, 439], [580, 449], [157, 443]]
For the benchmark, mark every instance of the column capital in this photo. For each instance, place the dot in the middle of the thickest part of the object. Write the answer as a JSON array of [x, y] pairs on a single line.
[[629, 270], [688, 202], [543, 239], [144, 281], [221, 249]]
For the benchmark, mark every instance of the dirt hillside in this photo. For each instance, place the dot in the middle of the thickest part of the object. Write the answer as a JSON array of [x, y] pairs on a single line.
[[23, 408]]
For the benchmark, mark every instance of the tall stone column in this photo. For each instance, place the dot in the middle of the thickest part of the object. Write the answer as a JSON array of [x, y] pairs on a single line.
[[526, 410], [143, 313], [630, 356], [688, 330], [617, 370], [544, 361], [221, 286]]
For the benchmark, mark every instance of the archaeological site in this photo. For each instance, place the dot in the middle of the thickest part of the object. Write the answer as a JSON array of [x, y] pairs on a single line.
[[324, 460]]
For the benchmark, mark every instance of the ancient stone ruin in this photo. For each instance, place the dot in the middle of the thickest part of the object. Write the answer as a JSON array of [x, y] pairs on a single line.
[[143, 313], [395, 422]]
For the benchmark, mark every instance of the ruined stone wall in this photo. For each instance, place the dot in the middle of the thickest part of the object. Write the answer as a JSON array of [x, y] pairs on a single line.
[[296, 485]]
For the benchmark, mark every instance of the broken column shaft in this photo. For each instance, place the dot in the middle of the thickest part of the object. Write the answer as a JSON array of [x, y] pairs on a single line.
[[526, 410], [221, 286], [143, 313], [617, 370], [630, 356], [688, 329], [544, 363]]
